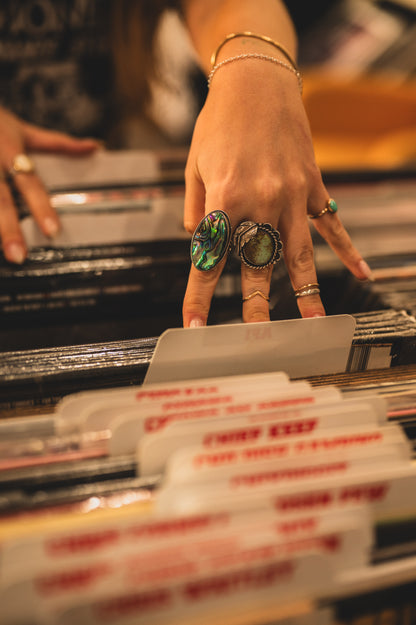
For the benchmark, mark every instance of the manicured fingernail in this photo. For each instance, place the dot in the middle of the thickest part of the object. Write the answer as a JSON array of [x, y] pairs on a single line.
[[365, 269], [16, 253], [50, 226], [196, 323]]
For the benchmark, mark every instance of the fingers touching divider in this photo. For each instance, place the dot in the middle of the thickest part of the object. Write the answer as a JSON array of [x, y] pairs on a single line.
[[259, 247]]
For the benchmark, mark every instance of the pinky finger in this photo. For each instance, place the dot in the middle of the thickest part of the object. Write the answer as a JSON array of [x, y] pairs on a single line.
[[330, 227]]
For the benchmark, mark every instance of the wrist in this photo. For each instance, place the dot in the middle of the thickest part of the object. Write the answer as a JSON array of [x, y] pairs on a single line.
[[247, 42]]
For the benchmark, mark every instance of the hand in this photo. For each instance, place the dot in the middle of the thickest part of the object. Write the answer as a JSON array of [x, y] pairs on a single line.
[[19, 137], [252, 157]]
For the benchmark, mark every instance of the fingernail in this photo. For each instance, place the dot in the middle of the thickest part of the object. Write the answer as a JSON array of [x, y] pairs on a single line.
[[196, 323], [16, 253], [319, 315], [50, 226], [365, 269], [99, 142]]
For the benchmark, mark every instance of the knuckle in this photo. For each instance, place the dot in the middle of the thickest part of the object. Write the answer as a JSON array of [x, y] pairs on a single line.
[[302, 259], [5, 197], [314, 174], [296, 183], [338, 231], [312, 308], [227, 193], [256, 315], [268, 190], [195, 308]]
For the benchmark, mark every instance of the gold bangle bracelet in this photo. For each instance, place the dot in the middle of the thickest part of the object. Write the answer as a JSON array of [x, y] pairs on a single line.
[[253, 36]]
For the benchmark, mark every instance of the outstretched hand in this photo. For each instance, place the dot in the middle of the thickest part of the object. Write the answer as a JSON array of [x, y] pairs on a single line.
[[18, 138], [252, 157]]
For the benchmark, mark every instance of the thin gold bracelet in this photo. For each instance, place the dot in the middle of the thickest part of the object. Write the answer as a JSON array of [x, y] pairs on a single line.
[[253, 36], [255, 55]]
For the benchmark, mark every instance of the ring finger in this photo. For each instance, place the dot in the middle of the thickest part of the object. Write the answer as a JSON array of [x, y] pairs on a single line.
[[299, 260]]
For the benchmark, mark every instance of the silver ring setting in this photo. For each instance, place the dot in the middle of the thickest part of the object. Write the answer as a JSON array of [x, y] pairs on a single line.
[[257, 244]]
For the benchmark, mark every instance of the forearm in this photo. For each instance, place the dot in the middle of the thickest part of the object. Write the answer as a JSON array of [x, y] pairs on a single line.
[[210, 21]]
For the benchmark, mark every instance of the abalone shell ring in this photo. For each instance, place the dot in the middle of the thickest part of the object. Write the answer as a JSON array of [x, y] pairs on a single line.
[[210, 240], [21, 164], [330, 207], [258, 245]]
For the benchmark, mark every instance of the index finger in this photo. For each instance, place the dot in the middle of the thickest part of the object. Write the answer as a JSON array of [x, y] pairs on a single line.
[[198, 295], [209, 249]]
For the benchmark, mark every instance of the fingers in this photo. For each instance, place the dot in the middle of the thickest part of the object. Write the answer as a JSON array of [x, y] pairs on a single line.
[[17, 137], [255, 287], [37, 199], [24, 179], [299, 260], [201, 284], [13, 244], [198, 296], [330, 227]]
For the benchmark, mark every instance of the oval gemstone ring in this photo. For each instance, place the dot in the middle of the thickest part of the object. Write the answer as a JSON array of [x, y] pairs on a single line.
[[210, 240]]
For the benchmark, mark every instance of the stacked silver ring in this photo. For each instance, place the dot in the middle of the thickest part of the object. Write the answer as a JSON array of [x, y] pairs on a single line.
[[308, 289]]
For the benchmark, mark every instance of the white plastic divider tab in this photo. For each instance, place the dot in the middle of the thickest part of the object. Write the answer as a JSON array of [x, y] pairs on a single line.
[[352, 446], [273, 428], [385, 489], [300, 347], [128, 428], [93, 409], [176, 396]]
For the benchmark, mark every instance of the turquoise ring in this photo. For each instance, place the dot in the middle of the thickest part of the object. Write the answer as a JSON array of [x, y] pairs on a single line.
[[330, 207], [210, 240], [258, 245]]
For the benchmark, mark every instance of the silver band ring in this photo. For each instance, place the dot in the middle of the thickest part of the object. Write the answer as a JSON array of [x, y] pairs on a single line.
[[21, 164], [308, 289]]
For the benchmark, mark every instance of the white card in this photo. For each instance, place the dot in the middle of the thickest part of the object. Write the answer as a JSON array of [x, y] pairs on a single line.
[[103, 167], [97, 411], [353, 445], [129, 427], [300, 347], [154, 449], [385, 489]]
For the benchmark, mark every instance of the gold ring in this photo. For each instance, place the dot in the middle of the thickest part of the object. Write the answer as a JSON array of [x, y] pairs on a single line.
[[308, 289], [21, 164], [253, 294], [330, 207]]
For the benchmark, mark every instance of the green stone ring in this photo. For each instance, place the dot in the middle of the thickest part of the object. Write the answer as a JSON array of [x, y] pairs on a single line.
[[330, 207], [258, 245], [210, 240]]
